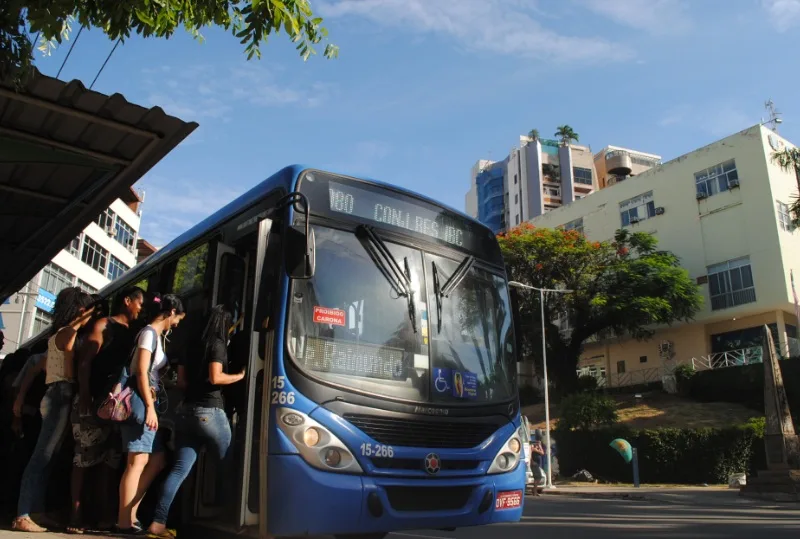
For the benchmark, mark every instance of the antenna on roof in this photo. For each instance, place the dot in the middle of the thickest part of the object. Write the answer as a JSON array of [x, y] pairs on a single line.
[[774, 115]]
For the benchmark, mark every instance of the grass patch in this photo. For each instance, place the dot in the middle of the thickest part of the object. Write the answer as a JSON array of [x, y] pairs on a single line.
[[657, 410]]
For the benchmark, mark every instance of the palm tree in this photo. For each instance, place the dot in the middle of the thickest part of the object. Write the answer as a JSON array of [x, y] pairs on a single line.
[[566, 134], [788, 160], [533, 134]]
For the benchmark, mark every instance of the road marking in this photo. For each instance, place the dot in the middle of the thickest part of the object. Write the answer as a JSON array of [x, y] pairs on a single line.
[[422, 536]]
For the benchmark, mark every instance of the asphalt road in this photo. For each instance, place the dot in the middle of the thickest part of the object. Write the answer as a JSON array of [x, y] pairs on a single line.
[[562, 517], [566, 517]]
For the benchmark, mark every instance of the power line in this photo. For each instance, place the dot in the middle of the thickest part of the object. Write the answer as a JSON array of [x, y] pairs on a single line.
[[69, 52], [104, 63]]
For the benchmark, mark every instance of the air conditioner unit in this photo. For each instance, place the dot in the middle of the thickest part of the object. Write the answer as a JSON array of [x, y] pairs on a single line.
[[733, 183], [660, 210], [701, 195]]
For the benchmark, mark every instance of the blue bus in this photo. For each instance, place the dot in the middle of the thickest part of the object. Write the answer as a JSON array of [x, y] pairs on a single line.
[[376, 329]]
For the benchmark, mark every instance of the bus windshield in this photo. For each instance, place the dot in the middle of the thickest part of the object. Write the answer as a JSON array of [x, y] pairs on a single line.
[[353, 325]]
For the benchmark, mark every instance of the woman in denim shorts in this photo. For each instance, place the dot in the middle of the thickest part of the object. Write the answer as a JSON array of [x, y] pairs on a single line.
[[145, 443], [201, 420], [72, 311]]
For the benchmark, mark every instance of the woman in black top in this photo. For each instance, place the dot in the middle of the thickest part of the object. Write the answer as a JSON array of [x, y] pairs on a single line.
[[201, 419]]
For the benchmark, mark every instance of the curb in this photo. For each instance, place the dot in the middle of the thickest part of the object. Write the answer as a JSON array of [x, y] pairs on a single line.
[[602, 495]]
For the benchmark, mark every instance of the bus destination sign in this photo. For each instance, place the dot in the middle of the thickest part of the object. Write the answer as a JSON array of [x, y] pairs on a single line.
[[388, 210]]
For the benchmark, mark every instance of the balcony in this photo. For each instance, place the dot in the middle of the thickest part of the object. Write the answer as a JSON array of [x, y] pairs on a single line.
[[732, 299], [618, 163]]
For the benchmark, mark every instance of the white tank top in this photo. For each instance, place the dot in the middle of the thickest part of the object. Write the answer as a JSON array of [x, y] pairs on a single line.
[[56, 363]]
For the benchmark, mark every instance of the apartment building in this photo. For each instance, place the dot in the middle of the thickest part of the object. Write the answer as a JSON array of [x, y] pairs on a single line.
[[538, 176], [615, 164], [105, 250], [723, 209]]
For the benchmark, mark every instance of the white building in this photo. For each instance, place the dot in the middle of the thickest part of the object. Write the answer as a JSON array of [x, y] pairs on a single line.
[[538, 176], [101, 253], [723, 210]]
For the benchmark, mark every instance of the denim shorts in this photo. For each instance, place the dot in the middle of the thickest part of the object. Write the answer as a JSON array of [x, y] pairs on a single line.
[[140, 439]]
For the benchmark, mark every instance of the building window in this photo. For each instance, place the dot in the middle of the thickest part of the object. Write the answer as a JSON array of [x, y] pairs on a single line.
[[125, 234], [642, 359], [716, 179], [190, 271], [106, 220], [621, 367], [637, 209], [517, 219], [576, 225], [582, 175], [552, 191], [116, 268], [516, 199], [731, 284], [74, 247], [94, 256], [41, 321], [86, 287], [515, 179], [784, 216], [56, 279]]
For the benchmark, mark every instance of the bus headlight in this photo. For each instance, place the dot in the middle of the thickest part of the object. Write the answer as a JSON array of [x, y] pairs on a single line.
[[508, 457], [318, 446]]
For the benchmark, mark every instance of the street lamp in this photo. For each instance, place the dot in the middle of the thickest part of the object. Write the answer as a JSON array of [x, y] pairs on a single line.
[[522, 286]]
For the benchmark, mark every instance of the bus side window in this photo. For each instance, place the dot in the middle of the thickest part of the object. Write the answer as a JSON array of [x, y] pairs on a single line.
[[190, 283], [231, 282]]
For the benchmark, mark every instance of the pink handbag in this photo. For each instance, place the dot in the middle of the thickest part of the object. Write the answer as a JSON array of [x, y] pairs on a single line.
[[117, 407]]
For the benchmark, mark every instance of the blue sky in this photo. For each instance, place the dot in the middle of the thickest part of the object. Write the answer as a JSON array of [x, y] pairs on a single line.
[[424, 88]]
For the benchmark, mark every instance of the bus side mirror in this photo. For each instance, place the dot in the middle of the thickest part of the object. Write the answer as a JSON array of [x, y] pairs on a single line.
[[300, 252]]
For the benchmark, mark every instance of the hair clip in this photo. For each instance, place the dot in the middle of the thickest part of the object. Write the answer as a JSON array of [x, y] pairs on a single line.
[[156, 300]]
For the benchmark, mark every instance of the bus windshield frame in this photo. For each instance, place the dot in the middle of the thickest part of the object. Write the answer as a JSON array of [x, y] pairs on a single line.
[[351, 319]]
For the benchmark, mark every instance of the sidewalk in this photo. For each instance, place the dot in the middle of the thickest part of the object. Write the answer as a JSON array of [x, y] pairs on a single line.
[[706, 496]]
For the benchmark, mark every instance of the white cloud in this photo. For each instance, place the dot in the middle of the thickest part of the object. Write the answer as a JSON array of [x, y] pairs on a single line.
[[784, 14], [172, 205], [363, 159], [658, 17], [718, 118], [200, 91], [499, 26]]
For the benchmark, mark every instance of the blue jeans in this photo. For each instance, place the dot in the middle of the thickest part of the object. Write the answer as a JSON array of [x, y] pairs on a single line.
[[55, 408], [195, 428]]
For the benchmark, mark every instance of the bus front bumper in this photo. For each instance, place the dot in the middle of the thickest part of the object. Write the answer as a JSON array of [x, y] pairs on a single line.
[[307, 501]]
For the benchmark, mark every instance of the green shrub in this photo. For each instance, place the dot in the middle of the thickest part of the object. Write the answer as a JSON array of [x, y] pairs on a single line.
[[683, 378], [745, 385], [586, 411], [529, 395], [688, 456], [587, 383]]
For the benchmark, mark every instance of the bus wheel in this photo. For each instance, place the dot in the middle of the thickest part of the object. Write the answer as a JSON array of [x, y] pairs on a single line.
[[377, 535]]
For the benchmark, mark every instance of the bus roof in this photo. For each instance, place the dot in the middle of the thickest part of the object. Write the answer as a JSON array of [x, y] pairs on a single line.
[[286, 178]]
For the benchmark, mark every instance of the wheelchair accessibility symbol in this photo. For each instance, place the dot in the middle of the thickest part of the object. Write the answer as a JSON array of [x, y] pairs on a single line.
[[440, 380]]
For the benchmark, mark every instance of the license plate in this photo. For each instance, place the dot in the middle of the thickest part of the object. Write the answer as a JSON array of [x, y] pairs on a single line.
[[509, 499]]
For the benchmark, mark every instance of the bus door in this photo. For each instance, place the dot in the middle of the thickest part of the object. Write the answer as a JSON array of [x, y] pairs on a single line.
[[251, 481], [230, 278]]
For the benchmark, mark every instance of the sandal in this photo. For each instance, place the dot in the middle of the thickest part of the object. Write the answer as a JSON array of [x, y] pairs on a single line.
[[25, 524], [75, 529], [166, 534]]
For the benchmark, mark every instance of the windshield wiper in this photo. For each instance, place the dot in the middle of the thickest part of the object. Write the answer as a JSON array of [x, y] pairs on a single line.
[[399, 280], [447, 288]]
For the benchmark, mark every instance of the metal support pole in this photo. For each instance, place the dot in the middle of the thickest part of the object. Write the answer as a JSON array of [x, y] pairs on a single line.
[[635, 462], [549, 483]]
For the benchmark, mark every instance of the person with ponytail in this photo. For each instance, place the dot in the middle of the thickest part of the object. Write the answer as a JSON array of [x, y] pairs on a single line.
[[143, 443], [201, 419], [73, 310]]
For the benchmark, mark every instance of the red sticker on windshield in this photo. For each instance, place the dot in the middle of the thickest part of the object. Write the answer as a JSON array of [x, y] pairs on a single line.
[[334, 317]]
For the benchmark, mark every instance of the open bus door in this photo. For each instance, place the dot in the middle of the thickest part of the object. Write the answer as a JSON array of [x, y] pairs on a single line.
[[241, 282], [230, 279]]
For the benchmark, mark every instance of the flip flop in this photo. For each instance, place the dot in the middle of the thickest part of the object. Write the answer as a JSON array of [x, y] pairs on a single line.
[[25, 524]]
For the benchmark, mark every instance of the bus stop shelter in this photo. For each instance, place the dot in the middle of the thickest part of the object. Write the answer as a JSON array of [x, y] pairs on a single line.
[[66, 153]]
